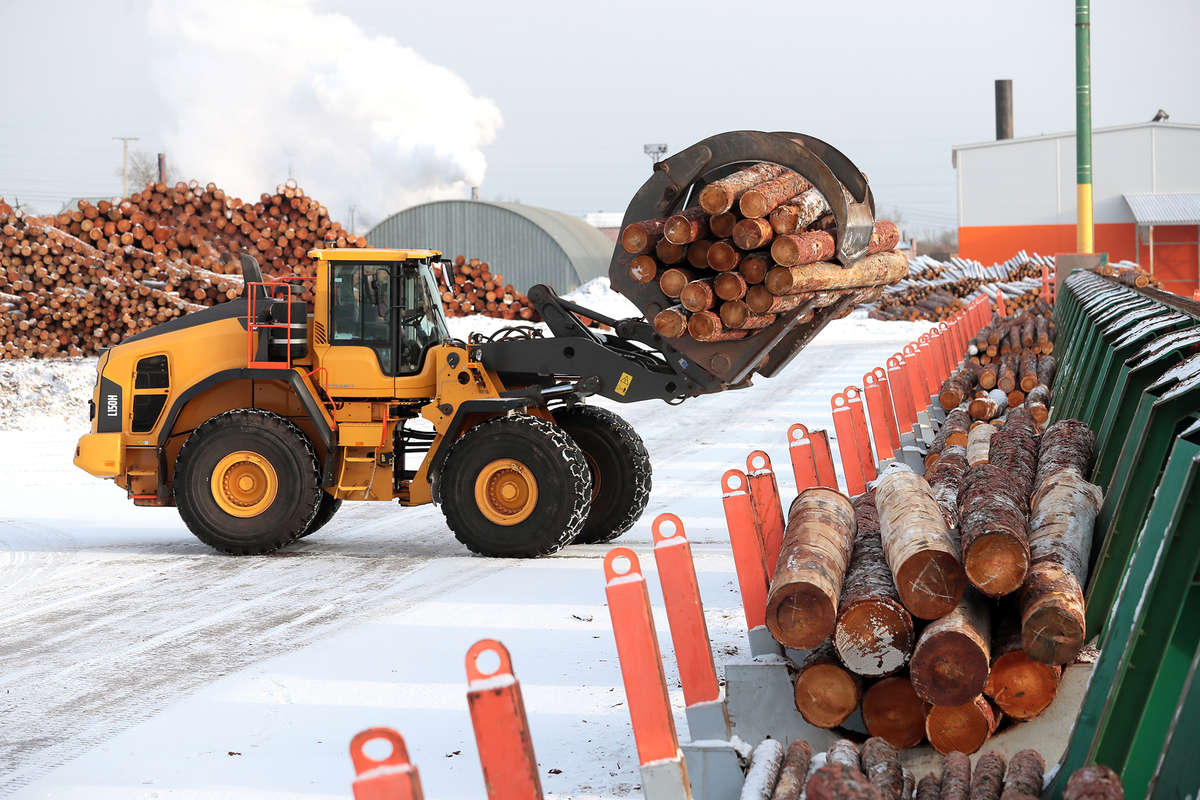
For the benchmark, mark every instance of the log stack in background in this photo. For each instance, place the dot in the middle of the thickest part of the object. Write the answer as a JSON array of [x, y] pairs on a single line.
[[89, 277], [470, 287], [758, 245], [873, 771], [952, 602], [936, 290]]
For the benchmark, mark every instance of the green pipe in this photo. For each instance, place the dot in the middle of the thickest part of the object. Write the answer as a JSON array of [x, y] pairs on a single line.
[[1083, 127]]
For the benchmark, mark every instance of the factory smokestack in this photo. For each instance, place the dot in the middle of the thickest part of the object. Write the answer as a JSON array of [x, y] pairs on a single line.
[[1004, 114]]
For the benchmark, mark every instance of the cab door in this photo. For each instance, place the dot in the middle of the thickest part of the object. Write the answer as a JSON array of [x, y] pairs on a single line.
[[361, 359]]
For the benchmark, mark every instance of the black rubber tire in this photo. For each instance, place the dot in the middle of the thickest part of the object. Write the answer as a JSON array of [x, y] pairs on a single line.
[[297, 471], [325, 511], [563, 481], [613, 448]]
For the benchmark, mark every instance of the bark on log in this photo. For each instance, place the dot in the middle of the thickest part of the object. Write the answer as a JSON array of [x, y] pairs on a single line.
[[955, 430], [672, 281], [995, 533], [957, 387], [1025, 773], [761, 301], [687, 226], [1066, 445], [1014, 450], [1052, 613], [836, 781], [794, 772], [965, 728], [893, 711], [763, 772], [799, 212], [950, 663], [874, 270], [1038, 403], [1028, 370], [720, 195], [956, 776], [754, 266], [766, 197], [1047, 367], [945, 479], [987, 376], [751, 234], [873, 634], [929, 788], [978, 443], [910, 785], [640, 237], [705, 326], [881, 763], [1019, 686], [919, 550], [988, 780], [671, 322], [1094, 782], [844, 752], [826, 693], [804, 591]]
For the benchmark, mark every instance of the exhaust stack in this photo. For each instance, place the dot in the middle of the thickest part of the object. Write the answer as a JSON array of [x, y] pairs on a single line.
[[1004, 112]]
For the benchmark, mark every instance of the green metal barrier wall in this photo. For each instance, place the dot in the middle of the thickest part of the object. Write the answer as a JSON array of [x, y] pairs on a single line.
[[1129, 367]]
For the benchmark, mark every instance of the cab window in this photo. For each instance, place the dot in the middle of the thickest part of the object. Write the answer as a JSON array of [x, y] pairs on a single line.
[[422, 320], [361, 302]]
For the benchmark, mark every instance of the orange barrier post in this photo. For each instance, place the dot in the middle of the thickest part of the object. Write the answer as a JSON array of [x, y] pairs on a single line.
[[928, 367], [823, 457], [949, 346], [862, 434], [689, 631], [642, 672], [1001, 311], [510, 770], [916, 379], [902, 396], [768, 509], [800, 449], [883, 425], [843, 425], [747, 559], [391, 778], [1045, 282]]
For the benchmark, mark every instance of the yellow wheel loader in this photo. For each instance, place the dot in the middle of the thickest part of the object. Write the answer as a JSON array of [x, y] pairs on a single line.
[[259, 416]]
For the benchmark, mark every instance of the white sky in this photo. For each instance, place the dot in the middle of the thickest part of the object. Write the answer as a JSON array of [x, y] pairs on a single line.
[[582, 87]]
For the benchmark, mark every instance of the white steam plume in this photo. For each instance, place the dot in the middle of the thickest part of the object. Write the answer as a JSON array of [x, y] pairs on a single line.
[[258, 88]]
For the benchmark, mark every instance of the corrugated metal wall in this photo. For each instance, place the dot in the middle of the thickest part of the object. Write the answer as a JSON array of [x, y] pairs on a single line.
[[513, 245]]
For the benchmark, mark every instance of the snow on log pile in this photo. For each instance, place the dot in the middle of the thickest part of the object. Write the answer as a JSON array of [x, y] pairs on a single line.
[[872, 771], [91, 276], [948, 604]]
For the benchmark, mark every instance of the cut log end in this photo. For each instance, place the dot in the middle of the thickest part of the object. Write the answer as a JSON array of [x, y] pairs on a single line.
[[1052, 634], [949, 669], [892, 711], [803, 618], [996, 563], [1020, 686], [964, 728], [874, 637], [826, 695], [931, 583]]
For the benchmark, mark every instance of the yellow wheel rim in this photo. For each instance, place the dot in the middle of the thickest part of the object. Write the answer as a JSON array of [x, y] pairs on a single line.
[[506, 492], [244, 484]]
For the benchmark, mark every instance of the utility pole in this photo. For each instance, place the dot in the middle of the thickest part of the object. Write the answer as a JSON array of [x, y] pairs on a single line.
[[125, 140], [353, 208]]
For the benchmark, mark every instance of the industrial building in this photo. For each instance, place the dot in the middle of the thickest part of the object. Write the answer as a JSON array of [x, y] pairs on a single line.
[[526, 244], [1019, 194]]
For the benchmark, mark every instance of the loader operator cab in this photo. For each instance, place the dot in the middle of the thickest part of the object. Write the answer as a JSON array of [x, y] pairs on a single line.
[[391, 307]]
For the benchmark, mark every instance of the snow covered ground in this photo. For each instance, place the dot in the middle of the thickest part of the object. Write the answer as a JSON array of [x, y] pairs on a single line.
[[136, 663]]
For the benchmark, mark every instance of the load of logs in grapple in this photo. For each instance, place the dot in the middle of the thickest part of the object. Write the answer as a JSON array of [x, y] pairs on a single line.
[[941, 604], [470, 287], [91, 276], [758, 243], [872, 771]]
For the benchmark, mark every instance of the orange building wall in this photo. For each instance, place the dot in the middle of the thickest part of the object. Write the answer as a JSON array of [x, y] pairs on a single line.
[[1174, 264]]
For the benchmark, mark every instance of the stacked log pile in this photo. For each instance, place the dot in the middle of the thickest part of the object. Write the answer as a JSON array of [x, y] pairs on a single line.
[[872, 771], [945, 604], [470, 287], [758, 244], [91, 276], [935, 290]]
